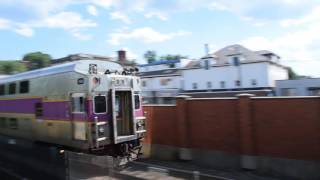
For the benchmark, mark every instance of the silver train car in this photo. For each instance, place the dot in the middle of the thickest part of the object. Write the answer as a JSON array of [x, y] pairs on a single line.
[[89, 105]]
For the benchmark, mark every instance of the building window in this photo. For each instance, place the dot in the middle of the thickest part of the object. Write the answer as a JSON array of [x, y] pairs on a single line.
[[24, 86], [209, 85], [2, 90], [194, 86], [172, 65], [144, 83], [253, 82], [222, 84], [164, 82], [314, 91], [12, 88], [100, 104], [237, 83], [235, 61], [288, 91], [78, 104], [206, 64], [136, 101]]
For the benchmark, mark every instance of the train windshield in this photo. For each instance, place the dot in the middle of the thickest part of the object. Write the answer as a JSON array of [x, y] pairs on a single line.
[[136, 101], [100, 104]]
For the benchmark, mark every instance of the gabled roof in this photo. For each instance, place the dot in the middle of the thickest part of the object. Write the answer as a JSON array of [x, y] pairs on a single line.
[[193, 64], [222, 55], [266, 53]]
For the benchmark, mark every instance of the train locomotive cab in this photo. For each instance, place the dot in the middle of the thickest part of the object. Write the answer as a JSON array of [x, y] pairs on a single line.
[[118, 124]]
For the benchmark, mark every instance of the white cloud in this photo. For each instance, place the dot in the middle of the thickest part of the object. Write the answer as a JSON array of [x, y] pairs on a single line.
[[21, 29], [120, 16], [66, 20], [298, 45], [48, 14], [24, 31], [158, 15], [217, 6], [69, 21], [312, 17], [146, 35], [104, 3], [4, 23], [92, 10], [81, 36]]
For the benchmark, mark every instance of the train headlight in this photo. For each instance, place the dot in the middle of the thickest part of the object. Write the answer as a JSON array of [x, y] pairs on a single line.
[[101, 131], [140, 124]]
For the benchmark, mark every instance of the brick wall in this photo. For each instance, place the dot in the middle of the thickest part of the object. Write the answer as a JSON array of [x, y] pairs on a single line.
[[287, 128], [273, 127], [160, 124]]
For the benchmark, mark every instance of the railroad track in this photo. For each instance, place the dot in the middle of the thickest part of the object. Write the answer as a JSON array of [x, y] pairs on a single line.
[[178, 173]]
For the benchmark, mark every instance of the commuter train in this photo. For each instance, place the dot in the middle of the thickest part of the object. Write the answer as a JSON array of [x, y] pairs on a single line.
[[90, 106]]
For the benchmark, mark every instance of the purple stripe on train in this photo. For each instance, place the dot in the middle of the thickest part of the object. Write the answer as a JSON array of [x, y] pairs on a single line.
[[18, 105], [55, 110]]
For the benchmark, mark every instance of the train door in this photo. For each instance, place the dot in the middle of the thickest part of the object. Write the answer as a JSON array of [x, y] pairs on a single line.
[[123, 118], [78, 116]]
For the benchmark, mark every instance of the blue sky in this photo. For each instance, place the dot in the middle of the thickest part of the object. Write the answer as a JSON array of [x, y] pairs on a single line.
[[290, 28]]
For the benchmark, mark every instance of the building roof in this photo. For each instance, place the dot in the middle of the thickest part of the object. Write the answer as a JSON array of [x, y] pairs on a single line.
[[193, 64], [162, 61], [266, 53], [222, 57], [165, 72]]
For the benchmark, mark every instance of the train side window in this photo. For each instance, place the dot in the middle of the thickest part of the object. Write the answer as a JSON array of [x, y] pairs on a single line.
[[3, 123], [24, 86], [13, 123], [136, 101], [38, 109], [78, 104], [12, 88], [2, 89], [100, 104]]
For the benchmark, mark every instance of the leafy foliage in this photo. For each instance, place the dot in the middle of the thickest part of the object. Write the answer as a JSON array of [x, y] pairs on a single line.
[[150, 56], [173, 57], [11, 67], [292, 74], [37, 60]]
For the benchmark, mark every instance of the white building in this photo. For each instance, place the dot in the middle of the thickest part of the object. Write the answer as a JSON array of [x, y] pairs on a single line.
[[161, 81], [229, 71], [298, 87], [232, 70]]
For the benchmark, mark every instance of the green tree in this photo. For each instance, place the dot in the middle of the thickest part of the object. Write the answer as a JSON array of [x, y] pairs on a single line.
[[292, 74], [37, 60], [11, 67], [150, 56], [173, 57]]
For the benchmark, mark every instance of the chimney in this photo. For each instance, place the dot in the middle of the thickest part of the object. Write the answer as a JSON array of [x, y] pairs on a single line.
[[206, 49], [122, 56]]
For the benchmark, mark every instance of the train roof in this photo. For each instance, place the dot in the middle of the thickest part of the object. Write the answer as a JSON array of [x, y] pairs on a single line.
[[81, 67]]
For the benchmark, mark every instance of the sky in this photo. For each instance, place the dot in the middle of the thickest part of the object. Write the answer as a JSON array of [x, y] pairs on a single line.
[[289, 28]]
